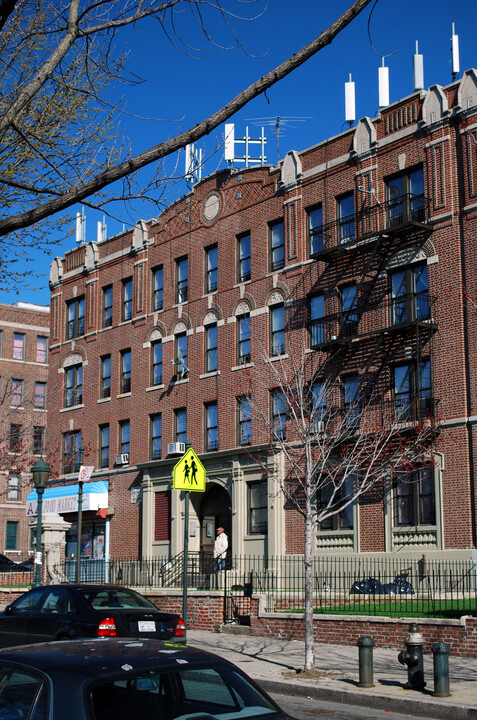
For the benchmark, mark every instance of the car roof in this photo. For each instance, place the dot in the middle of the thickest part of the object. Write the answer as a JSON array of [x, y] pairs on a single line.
[[106, 656], [89, 586]]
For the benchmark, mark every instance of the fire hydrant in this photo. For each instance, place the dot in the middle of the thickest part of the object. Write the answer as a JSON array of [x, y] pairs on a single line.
[[413, 658]]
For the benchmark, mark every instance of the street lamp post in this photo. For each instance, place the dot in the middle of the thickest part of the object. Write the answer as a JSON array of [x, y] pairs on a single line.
[[80, 518], [40, 472]]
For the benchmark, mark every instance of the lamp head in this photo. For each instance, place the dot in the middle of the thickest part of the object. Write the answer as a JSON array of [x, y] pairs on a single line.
[[41, 473]]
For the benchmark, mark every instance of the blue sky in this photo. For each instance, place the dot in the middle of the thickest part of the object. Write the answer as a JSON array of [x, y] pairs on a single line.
[[182, 90]]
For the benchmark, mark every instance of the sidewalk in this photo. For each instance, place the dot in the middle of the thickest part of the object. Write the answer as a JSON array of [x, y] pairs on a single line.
[[267, 659]]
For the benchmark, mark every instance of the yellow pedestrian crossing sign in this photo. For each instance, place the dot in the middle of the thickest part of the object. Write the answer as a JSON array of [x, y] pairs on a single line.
[[189, 473]]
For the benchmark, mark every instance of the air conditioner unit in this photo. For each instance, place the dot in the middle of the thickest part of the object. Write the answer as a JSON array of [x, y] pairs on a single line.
[[122, 459], [318, 426], [176, 448]]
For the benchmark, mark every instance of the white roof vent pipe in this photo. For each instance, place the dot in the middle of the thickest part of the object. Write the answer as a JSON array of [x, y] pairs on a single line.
[[455, 54], [350, 105], [418, 70], [383, 77]]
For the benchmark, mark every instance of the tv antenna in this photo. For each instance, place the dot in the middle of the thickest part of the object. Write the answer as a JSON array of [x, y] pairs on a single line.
[[280, 124]]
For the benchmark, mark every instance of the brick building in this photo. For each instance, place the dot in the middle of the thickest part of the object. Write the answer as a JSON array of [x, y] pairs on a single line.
[[24, 331], [154, 331]]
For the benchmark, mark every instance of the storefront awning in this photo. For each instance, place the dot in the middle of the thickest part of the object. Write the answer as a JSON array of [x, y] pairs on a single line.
[[64, 499]]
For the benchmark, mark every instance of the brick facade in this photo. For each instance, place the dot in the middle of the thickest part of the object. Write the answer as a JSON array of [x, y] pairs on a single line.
[[24, 331], [397, 197]]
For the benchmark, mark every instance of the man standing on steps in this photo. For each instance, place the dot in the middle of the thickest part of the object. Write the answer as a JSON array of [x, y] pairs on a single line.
[[220, 549]]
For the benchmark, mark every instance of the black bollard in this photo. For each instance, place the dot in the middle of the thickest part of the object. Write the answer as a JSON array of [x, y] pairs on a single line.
[[441, 652], [365, 645]]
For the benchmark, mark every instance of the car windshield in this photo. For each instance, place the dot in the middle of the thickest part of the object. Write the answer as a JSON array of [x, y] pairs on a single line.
[[114, 598], [182, 694], [23, 694]]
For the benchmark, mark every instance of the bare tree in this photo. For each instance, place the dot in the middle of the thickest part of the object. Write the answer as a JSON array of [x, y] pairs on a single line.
[[59, 140], [335, 449]]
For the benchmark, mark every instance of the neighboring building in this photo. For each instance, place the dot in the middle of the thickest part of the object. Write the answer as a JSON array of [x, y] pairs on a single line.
[[372, 236], [24, 331]]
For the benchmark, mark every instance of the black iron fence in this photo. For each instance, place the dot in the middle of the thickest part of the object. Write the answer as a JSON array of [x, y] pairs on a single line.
[[371, 585]]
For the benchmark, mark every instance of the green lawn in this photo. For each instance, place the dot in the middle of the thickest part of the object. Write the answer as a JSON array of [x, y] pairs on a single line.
[[406, 608]]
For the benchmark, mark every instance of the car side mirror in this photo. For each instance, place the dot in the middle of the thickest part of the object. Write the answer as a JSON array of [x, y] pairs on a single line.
[[8, 610]]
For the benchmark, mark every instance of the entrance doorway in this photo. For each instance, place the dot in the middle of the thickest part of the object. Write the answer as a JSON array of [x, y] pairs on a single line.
[[214, 512]]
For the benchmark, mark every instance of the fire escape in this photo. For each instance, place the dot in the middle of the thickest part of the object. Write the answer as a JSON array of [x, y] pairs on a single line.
[[385, 314]]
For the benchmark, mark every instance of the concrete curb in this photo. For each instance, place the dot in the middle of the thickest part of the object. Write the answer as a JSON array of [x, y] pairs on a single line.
[[416, 707]]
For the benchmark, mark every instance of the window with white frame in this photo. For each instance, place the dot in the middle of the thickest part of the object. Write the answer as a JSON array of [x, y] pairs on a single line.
[[277, 245], [72, 451], [277, 329], [155, 444], [107, 309], [41, 349], [124, 437], [182, 279], [211, 269], [13, 488], [415, 498], [211, 427], [243, 339], [104, 437], [180, 425], [244, 259], [315, 229], [73, 394], [279, 414], [181, 368], [40, 396], [346, 218], [125, 371], [210, 347], [16, 398], [38, 440], [157, 288], [75, 318], [105, 377], [127, 299], [18, 346], [244, 420], [156, 362], [257, 508]]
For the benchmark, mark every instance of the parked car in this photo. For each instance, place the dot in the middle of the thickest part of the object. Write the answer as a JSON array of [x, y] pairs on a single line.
[[8, 565], [120, 679], [57, 612]]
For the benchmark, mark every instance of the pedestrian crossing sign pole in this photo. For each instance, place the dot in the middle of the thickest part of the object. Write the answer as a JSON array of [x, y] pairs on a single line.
[[189, 473], [188, 476]]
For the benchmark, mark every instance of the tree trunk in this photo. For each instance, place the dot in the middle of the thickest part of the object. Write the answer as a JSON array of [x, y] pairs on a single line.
[[308, 562]]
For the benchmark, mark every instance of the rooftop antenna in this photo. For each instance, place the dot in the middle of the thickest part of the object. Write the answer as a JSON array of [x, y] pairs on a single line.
[[280, 124], [418, 69], [193, 164], [80, 227], [231, 141], [383, 78], [455, 54], [101, 230], [350, 106]]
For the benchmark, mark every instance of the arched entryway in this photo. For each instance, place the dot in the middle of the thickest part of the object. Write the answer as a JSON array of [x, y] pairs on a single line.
[[214, 511]]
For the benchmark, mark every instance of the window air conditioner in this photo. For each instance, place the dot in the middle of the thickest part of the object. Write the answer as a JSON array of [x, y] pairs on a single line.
[[122, 459], [176, 448], [318, 426]]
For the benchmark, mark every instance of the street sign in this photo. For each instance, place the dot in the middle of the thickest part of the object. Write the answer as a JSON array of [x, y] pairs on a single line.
[[85, 472], [189, 473]]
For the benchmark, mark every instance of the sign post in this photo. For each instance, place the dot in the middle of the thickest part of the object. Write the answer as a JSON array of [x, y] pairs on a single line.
[[188, 476], [84, 475]]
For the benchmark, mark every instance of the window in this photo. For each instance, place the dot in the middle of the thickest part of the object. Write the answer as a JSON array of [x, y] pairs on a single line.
[[346, 218], [351, 407], [127, 299], [277, 245], [182, 370], [349, 314], [210, 341], [315, 230], [155, 448], [277, 329], [412, 392], [73, 385], [156, 362], [244, 266], [124, 437], [211, 427], [414, 498], [333, 497], [244, 420], [13, 488], [180, 425], [17, 393], [181, 280], [107, 306], [38, 440], [15, 438], [211, 269], [41, 349], [157, 288], [11, 535], [318, 410], [71, 451], [409, 294], [125, 372], [243, 339], [40, 395], [104, 446], [405, 196], [18, 346], [105, 379], [257, 508], [317, 325], [279, 414], [75, 318]]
